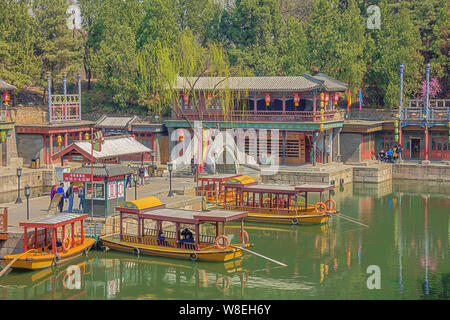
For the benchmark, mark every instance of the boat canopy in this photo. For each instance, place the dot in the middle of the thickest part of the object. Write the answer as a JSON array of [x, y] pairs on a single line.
[[54, 221], [143, 203], [241, 180], [271, 188], [192, 217], [218, 177], [308, 187]]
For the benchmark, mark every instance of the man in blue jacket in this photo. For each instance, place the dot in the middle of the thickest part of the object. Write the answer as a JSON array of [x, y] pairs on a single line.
[[61, 190]]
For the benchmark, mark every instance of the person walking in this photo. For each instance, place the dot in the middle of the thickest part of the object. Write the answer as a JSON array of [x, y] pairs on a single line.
[[142, 175], [81, 196], [61, 202], [399, 151], [128, 181], [70, 195]]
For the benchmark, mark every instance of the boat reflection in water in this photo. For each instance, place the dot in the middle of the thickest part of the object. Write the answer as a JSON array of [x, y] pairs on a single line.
[[57, 283], [113, 275]]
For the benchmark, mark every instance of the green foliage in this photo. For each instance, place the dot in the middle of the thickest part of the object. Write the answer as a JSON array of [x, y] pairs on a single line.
[[135, 49], [19, 63], [58, 47]]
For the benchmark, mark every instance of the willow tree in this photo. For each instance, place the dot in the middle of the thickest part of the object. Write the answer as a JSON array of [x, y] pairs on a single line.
[[162, 69]]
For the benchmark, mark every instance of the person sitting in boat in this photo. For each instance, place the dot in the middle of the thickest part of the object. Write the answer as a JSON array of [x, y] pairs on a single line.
[[188, 238], [58, 244], [162, 239]]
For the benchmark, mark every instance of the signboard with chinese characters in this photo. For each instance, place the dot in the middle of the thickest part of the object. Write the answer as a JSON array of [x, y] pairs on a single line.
[[76, 177], [112, 190], [120, 189]]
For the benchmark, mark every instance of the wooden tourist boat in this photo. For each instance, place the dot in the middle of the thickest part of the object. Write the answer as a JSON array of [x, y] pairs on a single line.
[[143, 237], [211, 187], [43, 253], [279, 203]]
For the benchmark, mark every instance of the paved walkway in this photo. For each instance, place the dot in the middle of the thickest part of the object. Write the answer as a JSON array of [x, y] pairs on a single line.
[[156, 187]]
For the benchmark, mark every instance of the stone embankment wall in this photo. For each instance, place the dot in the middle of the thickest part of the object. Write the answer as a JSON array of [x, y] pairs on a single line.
[[29, 115], [31, 177], [438, 172]]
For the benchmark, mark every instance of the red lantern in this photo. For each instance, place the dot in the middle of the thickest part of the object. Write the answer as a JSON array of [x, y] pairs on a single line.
[[6, 97], [267, 99], [181, 135], [296, 99], [133, 136], [209, 99], [413, 114], [327, 98], [335, 98], [440, 115], [186, 99]]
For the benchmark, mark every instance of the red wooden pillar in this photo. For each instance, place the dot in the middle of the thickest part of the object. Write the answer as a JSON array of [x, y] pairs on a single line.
[[284, 107], [63, 233], [45, 237], [73, 233], [80, 136], [54, 240], [35, 238], [82, 231], [65, 139], [121, 224], [45, 149], [427, 143], [197, 235], [50, 147], [25, 239]]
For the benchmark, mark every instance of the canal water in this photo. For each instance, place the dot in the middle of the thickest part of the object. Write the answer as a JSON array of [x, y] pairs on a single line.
[[406, 247]]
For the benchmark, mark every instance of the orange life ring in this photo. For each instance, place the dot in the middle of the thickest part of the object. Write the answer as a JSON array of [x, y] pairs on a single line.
[[67, 246], [266, 199], [227, 283], [333, 202], [222, 246], [243, 235], [318, 205]]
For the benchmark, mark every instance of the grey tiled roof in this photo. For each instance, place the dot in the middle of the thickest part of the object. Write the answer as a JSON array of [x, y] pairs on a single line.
[[114, 147], [104, 170], [6, 86], [331, 84], [265, 84], [301, 83], [116, 122]]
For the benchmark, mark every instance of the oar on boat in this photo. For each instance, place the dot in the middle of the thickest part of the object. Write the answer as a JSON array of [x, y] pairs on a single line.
[[260, 255], [12, 262]]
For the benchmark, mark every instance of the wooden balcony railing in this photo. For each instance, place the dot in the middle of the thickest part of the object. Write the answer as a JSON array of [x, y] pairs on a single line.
[[415, 112], [250, 115]]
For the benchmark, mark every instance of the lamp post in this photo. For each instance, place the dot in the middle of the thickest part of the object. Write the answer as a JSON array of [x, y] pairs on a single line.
[[135, 179], [19, 173], [153, 163], [169, 167], [27, 194]]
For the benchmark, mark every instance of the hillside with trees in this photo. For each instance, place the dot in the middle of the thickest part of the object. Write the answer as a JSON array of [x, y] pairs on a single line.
[[129, 50]]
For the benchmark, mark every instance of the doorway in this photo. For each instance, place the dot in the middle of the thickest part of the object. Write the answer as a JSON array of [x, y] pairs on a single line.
[[415, 148]]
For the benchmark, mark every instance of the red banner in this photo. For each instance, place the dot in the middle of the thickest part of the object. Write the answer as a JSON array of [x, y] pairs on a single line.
[[76, 177]]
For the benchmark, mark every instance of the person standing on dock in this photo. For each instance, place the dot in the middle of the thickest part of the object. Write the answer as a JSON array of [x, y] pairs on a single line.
[[61, 202], [70, 196], [142, 175], [81, 196], [52, 192]]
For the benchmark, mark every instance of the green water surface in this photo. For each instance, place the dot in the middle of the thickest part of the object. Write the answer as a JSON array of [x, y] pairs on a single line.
[[407, 238]]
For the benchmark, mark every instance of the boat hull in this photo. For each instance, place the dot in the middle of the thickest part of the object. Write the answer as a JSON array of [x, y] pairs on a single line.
[[41, 260], [216, 255], [304, 219]]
